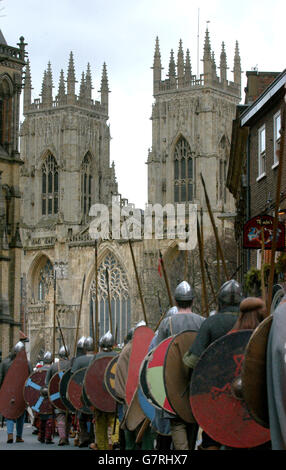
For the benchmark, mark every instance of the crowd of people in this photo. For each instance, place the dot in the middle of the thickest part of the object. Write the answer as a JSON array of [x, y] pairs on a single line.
[[108, 431]]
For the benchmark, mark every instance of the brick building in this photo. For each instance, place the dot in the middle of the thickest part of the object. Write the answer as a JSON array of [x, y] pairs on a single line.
[[253, 166]]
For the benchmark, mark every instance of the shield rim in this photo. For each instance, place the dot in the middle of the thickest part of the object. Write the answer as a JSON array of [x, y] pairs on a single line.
[[111, 354], [57, 407], [66, 402], [109, 389], [83, 409], [38, 371]]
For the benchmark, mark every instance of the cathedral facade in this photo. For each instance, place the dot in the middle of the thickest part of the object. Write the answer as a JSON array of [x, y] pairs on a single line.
[[67, 169]]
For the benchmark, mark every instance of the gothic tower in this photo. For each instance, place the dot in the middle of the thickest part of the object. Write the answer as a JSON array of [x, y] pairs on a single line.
[[191, 131]]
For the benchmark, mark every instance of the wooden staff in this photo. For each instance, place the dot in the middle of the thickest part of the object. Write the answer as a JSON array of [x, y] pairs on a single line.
[[215, 229], [277, 203], [210, 279], [166, 279], [62, 336], [262, 263], [79, 314], [96, 332], [138, 282], [201, 253], [54, 319], [109, 301]]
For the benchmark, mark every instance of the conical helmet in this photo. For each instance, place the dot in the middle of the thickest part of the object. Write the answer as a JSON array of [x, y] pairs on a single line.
[[230, 294], [48, 357], [89, 344], [64, 351], [184, 291], [106, 341]]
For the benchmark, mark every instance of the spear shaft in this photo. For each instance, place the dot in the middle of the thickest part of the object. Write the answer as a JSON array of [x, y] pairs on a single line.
[[79, 315], [138, 282]]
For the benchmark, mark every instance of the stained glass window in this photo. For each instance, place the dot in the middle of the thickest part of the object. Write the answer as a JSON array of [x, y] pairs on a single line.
[[50, 186]]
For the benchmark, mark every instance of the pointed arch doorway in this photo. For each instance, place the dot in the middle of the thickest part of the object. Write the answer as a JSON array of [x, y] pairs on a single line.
[[119, 295]]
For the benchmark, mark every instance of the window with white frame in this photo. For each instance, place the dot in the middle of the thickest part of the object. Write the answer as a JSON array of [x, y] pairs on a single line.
[[261, 151], [276, 136]]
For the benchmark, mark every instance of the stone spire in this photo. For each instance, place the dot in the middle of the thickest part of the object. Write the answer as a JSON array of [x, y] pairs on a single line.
[[180, 66], [157, 68], [104, 90], [188, 68], [49, 85], [88, 84], [82, 90], [237, 66], [207, 59], [62, 89], [44, 89], [223, 63], [71, 81], [27, 87], [172, 70], [213, 65]]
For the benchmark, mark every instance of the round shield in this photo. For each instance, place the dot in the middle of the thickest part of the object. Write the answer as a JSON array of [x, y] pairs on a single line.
[[54, 391], [74, 391], [154, 375], [214, 394], [12, 403], [109, 379], [63, 390], [253, 374], [278, 294], [32, 393], [147, 408], [143, 381], [94, 385], [177, 375]]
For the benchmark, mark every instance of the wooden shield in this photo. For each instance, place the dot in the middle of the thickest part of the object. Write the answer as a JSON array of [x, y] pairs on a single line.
[[54, 391], [140, 343], [147, 408], [74, 391], [134, 415], [177, 375], [12, 403], [155, 378], [109, 379], [253, 373], [94, 385], [218, 411], [63, 390], [32, 393]]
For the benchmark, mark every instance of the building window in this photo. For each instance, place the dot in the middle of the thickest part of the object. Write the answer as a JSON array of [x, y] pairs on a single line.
[[45, 279], [86, 185], [5, 112], [50, 186], [276, 136], [119, 297], [261, 152], [183, 172]]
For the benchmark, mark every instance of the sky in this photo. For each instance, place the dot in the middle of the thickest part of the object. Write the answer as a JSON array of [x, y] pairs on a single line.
[[122, 34]]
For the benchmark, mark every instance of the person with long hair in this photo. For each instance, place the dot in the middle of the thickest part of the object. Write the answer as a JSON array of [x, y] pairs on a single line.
[[252, 312]]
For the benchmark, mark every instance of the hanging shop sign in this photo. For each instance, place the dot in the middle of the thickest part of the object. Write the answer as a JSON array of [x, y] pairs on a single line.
[[252, 233]]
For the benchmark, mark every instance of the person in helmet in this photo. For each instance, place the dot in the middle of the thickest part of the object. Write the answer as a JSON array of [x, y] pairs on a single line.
[[85, 355], [4, 367], [63, 419], [229, 298], [183, 434], [46, 421], [104, 422]]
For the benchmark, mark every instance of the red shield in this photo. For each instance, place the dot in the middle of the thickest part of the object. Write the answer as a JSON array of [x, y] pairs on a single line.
[[32, 393], [218, 411], [75, 391], [140, 343], [94, 385], [63, 390], [12, 403], [54, 391]]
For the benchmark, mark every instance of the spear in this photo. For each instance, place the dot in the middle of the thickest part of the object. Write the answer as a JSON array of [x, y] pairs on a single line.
[[62, 336], [109, 301], [96, 332], [138, 282], [166, 278], [79, 314], [215, 229], [204, 293], [54, 321], [277, 202]]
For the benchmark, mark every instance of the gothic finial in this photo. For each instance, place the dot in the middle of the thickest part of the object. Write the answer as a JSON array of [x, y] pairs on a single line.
[[188, 68], [27, 87], [82, 89], [207, 46], [237, 65], [157, 68], [180, 65], [88, 84], [104, 87], [62, 88], [71, 81], [172, 70]]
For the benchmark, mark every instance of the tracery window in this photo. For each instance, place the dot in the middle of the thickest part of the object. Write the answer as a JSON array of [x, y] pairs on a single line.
[[183, 172], [5, 112], [86, 184], [119, 295], [45, 279], [50, 186]]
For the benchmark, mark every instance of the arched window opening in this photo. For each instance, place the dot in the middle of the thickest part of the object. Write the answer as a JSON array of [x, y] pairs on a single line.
[[86, 185], [50, 186], [45, 279], [183, 172], [119, 295], [5, 112]]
